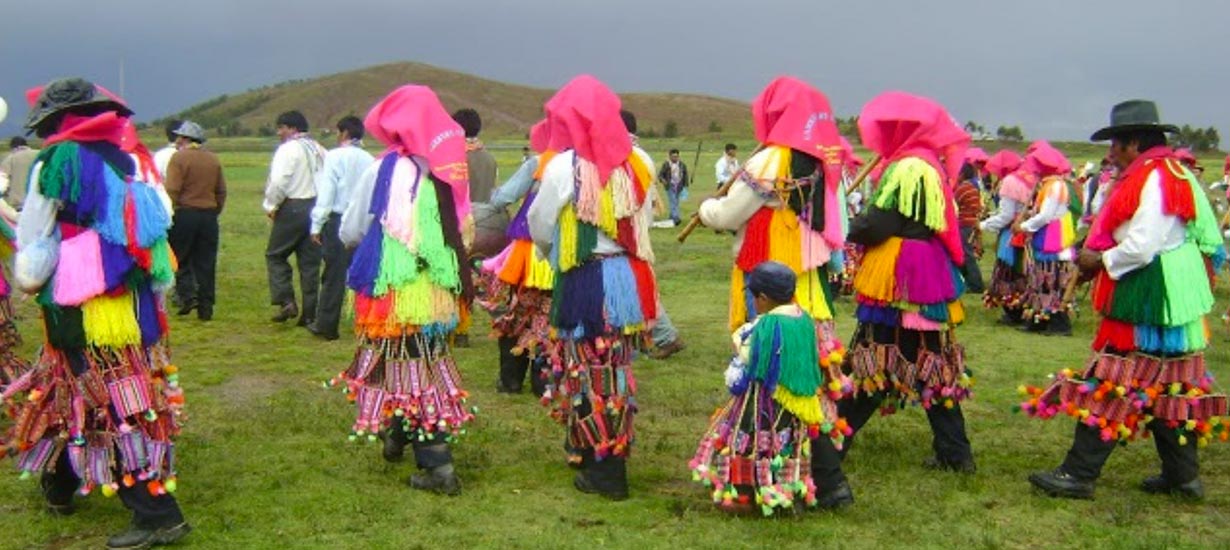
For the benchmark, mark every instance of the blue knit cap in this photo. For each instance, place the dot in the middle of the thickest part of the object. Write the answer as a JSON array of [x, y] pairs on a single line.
[[772, 279]]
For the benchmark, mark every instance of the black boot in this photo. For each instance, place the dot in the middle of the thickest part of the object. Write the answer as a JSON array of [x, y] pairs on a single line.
[[440, 479], [1060, 325], [607, 477], [539, 371], [512, 367], [1059, 483], [142, 537], [1157, 485]]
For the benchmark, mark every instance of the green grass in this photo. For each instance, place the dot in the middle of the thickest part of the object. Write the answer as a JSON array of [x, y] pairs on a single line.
[[265, 461]]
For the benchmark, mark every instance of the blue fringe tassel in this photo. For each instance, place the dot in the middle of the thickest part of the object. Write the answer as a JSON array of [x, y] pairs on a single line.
[[111, 228], [93, 189], [1005, 252], [365, 265], [879, 315], [623, 305], [153, 220], [147, 314], [1219, 258], [775, 363], [579, 311], [935, 312], [116, 263], [1161, 340]]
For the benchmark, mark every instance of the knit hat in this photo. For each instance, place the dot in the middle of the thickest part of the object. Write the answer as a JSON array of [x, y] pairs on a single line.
[[774, 280]]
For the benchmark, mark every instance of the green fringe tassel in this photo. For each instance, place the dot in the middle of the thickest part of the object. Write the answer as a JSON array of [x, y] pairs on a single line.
[[441, 259], [61, 167], [398, 266], [912, 187], [1203, 230], [799, 370], [160, 262]]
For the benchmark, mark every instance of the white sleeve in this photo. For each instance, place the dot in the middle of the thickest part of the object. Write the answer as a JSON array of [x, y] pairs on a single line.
[[357, 218], [719, 169], [733, 210], [281, 170], [1003, 217], [554, 193], [1052, 209], [326, 187], [1146, 233]]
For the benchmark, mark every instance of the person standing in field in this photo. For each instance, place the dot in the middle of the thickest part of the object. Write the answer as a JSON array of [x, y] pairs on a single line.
[[15, 171], [197, 189], [518, 281], [1148, 254], [1009, 277], [969, 212], [483, 174], [785, 208], [904, 350], [290, 195], [334, 183], [162, 157], [103, 384], [727, 165], [409, 275], [606, 297], [1048, 229], [674, 177]]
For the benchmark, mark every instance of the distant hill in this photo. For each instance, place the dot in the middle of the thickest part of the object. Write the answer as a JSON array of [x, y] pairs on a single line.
[[508, 110]]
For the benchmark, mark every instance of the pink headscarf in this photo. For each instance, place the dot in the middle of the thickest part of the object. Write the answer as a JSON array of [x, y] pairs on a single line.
[[975, 155], [540, 136], [792, 113], [1003, 163], [584, 115], [412, 121], [897, 125], [131, 143], [1185, 155], [1045, 160]]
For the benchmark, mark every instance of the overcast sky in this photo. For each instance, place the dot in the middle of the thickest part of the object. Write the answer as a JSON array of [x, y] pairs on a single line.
[[1054, 67]]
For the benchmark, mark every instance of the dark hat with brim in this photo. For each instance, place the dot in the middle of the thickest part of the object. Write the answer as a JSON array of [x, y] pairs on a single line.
[[69, 93], [772, 279], [1130, 116]]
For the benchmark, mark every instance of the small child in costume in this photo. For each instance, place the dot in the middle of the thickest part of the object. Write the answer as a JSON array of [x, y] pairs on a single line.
[[757, 451]]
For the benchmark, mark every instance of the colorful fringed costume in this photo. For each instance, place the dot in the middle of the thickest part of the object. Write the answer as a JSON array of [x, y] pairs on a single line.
[[1051, 233], [908, 294], [781, 228], [408, 274], [516, 287], [604, 301], [1148, 367], [103, 392], [1009, 276], [10, 362], [757, 449]]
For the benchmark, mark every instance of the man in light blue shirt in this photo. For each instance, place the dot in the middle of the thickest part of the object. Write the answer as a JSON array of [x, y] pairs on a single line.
[[334, 184]]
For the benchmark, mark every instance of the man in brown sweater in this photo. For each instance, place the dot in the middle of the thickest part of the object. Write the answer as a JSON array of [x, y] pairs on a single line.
[[198, 192]]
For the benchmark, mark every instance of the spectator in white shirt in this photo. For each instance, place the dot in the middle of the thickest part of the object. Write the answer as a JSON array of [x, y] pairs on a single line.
[[343, 166], [727, 165], [290, 195]]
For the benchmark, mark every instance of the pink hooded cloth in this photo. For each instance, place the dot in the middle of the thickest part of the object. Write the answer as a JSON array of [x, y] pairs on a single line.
[[584, 115], [1044, 160], [792, 113], [897, 125], [131, 143], [975, 155], [849, 159], [1003, 163], [540, 136], [412, 121]]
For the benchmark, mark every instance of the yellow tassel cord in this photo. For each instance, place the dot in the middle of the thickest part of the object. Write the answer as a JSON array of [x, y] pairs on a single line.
[[606, 209], [538, 271], [111, 321], [911, 185], [738, 307], [567, 241], [877, 276], [810, 296], [422, 303], [806, 407]]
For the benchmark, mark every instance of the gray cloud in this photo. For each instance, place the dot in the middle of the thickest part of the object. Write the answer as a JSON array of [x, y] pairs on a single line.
[[1054, 67]]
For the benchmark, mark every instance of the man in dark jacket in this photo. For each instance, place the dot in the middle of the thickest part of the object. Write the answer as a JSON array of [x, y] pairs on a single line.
[[674, 176]]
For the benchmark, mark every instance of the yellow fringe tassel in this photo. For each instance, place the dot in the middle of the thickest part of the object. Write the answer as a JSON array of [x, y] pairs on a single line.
[[810, 296], [785, 239], [538, 271], [877, 276], [111, 321], [567, 238], [956, 312], [806, 407], [738, 307]]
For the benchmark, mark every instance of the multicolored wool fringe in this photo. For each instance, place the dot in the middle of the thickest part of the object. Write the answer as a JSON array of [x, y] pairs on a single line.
[[103, 388]]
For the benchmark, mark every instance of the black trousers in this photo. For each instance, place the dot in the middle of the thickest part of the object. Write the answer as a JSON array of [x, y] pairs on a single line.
[[1180, 463], [194, 239], [148, 511], [333, 280], [290, 235], [514, 367]]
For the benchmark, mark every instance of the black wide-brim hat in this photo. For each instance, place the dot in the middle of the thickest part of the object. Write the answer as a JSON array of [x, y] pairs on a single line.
[[69, 93], [1131, 115]]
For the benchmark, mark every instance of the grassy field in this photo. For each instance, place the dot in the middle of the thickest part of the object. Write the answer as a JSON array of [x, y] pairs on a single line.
[[265, 460]]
